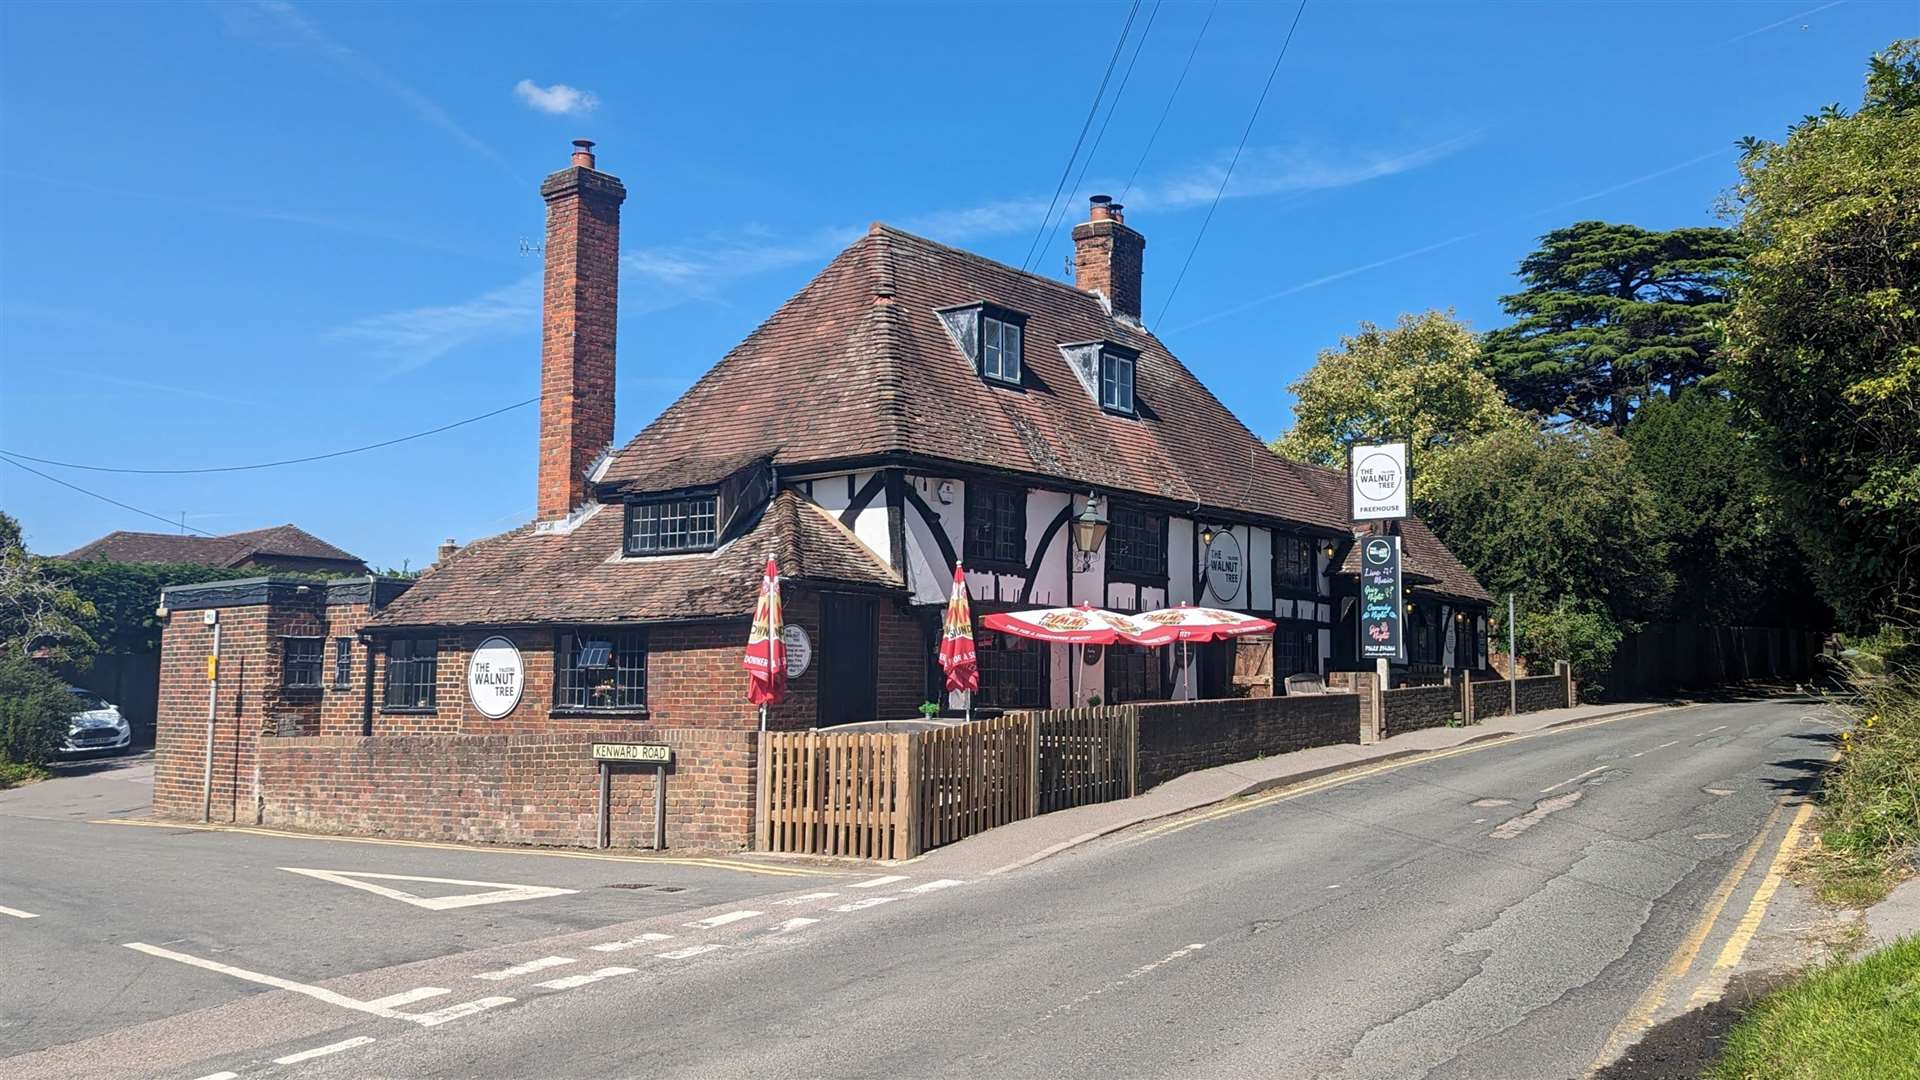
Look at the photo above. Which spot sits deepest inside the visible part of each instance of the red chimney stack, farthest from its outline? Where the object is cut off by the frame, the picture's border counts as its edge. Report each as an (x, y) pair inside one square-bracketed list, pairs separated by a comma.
[(580, 307), (1107, 256)]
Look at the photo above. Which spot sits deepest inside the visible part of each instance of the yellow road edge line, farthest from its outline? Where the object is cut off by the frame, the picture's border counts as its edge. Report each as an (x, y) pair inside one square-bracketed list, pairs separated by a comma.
[(1255, 802), (666, 860), (1736, 946), (1641, 1015)]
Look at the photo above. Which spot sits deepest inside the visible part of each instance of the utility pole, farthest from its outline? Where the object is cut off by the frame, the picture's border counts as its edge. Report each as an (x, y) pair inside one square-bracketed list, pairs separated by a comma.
[(1513, 662)]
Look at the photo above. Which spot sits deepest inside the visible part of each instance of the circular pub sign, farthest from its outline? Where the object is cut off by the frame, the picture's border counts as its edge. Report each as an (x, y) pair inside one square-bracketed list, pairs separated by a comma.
[(1224, 567), (494, 677), (799, 649)]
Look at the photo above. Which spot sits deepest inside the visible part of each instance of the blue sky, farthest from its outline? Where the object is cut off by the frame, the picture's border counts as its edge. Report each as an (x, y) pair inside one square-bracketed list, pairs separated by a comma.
[(243, 232)]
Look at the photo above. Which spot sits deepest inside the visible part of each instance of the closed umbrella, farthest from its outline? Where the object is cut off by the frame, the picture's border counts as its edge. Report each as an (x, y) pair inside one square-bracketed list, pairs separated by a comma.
[(957, 655), (1186, 624), (766, 659)]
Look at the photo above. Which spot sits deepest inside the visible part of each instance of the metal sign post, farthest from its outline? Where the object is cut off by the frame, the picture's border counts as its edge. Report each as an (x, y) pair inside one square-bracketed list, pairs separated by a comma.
[(657, 755), (1513, 664)]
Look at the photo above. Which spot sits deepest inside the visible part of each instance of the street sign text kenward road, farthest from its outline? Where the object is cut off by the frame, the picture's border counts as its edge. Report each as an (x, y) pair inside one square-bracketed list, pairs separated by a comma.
[(649, 753)]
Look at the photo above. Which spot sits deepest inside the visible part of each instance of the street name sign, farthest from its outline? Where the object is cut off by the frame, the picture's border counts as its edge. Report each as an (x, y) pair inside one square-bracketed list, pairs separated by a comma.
[(644, 753)]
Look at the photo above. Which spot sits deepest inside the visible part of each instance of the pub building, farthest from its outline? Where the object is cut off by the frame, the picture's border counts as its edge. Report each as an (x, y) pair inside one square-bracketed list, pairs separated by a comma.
[(913, 407)]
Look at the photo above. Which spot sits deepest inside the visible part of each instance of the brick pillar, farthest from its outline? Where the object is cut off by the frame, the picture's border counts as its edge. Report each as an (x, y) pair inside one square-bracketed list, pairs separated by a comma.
[(580, 307), (1107, 256), (1466, 699), (1565, 671)]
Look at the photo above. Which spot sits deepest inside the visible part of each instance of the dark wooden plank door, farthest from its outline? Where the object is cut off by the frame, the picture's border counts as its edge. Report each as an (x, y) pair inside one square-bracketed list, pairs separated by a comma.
[(849, 647)]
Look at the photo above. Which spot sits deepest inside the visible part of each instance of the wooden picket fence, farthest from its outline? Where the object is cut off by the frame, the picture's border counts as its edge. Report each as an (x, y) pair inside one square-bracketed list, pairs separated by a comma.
[(883, 795)]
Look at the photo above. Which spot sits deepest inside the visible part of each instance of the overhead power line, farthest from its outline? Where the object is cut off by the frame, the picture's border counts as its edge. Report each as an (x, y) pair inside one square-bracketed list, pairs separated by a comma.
[(1092, 111), (124, 506), (1168, 108), (1235, 159), (1126, 76), (268, 464)]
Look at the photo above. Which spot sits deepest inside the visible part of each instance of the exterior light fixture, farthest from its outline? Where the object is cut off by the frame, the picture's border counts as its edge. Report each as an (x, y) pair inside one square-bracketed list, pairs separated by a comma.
[(1206, 536), (1089, 532), (1328, 550)]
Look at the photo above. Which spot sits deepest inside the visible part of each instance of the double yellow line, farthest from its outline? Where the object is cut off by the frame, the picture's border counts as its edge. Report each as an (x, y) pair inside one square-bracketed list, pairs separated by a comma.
[(710, 862), (1241, 806)]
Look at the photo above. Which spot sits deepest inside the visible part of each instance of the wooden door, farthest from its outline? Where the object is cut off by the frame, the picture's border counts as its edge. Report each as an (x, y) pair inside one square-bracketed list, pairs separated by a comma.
[(849, 645)]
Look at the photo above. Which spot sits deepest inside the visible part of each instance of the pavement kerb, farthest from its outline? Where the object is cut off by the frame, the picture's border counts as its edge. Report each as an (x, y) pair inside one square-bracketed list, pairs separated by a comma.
[(1258, 787)]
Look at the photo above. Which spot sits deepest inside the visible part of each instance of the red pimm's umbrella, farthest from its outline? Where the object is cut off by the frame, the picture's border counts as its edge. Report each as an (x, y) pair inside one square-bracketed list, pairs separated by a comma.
[(957, 656), (1083, 625), (766, 660), (1188, 623)]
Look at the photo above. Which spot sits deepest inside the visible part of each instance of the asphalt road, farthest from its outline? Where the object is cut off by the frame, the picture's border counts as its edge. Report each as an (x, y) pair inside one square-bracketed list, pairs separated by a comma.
[(1491, 912)]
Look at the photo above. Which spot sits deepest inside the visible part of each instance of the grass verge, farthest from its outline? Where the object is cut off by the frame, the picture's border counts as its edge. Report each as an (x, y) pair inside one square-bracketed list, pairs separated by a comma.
[(1871, 799), (1847, 1020), (14, 775)]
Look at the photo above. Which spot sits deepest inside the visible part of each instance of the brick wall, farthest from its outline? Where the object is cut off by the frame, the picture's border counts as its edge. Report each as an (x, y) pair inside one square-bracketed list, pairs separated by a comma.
[(522, 789), (1542, 692), (1364, 684), (1414, 707), (1489, 697), (1179, 737)]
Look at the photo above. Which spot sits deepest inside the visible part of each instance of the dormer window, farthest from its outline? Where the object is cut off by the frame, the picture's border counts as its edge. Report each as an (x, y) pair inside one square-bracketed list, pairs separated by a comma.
[(1000, 349), (993, 339), (1116, 380), (667, 526)]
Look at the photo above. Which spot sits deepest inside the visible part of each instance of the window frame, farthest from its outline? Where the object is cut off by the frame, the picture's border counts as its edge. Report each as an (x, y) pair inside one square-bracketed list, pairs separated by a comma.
[(289, 664), (1004, 317), (1294, 585), (991, 647), (342, 663), (1129, 658), (625, 644), (1109, 355), (1119, 571), (978, 493), (1300, 632), (413, 662), (687, 500)]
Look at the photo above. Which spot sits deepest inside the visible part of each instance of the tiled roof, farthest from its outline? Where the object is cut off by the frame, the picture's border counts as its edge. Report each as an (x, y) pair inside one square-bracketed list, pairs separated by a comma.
[(858, 363), (1425, 560), (532, 577), (234, 549)]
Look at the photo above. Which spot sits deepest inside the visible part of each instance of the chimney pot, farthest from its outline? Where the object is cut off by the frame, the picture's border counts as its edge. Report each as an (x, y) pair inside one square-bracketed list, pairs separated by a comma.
[(447, 548), (1100, 208), (583, 153)]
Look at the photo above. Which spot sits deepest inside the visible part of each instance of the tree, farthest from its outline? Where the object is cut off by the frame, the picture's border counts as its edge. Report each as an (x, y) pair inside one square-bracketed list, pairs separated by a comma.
[(35, 710), (1824, 335), (1419, 379), (1736, 561), (38, 616), (1611, 316), (1561, 519)]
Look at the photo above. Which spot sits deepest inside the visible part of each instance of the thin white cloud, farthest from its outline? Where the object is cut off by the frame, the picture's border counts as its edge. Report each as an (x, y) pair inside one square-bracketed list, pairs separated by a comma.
[(408, 339), (280, 24), (1777, 23), (559, 99), (1295, 170)]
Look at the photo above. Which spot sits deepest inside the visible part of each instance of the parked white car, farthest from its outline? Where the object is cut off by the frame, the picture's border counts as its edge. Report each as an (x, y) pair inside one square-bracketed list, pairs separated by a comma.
[(96, 725)]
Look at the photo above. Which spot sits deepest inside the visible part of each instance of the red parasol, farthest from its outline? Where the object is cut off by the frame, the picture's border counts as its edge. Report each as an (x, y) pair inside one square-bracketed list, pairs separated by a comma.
[(957, 656), (766, 660), (1082, 625), (1188, 623)]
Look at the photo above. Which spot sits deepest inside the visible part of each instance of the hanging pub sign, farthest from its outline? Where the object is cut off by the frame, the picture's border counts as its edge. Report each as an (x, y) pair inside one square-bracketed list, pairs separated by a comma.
[(494, 677), (1224, 567), (1377, 474), (799, 649), (1381, 604)]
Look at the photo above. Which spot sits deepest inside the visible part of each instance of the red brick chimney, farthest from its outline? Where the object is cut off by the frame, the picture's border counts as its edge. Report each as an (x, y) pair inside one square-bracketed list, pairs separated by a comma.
[(1106, 256), (577, 328)]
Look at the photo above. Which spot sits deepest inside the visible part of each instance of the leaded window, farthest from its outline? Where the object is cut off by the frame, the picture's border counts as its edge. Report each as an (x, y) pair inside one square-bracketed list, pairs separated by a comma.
[(1296, 649), (1293, 564), (1000, 349), (1116, 381), (342, 662), (1013, 672), (1133, 674), (601, 669), (412, 665), (300, 662), (996, 526), (669, 525), (1137, 544)]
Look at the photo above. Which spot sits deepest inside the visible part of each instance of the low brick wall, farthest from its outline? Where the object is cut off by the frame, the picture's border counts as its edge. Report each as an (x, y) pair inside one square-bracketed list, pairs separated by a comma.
[(1180, 737), (1414, 707), (520, 789), (1534, 694)]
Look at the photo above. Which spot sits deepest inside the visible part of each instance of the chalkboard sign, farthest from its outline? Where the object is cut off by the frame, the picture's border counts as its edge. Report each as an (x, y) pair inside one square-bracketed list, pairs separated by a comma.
[(1381, 603)]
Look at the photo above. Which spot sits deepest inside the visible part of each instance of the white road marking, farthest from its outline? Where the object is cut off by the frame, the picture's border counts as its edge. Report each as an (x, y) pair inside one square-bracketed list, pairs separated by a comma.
[(1711, 730), (422, 993), (455, 1012), (496, 892), (935, 886), (314, 992), (723, 919), (322, 1051), (793, 924), (220, 1076), (792, 900), (1664, 745), (871, 901), (689, 951), (18, 914), (874, 883), (527, 968), (571, 981), (629, 943), (1142, 970), (1571, 779)]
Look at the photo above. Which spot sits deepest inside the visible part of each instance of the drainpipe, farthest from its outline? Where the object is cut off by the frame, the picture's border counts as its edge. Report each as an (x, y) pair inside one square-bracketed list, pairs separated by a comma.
[(213, 696)]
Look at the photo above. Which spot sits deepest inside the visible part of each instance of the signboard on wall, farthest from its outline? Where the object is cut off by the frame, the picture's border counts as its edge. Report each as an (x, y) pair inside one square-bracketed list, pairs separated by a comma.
[(1225, 568), (1382, 607), (494, 677), (1378, 478), (799, 649), (644, 753)]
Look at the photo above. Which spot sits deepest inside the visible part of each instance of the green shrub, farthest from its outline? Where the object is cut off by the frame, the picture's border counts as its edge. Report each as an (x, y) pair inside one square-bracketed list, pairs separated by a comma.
[(1872, 796), (1582, 635), (35, 709)]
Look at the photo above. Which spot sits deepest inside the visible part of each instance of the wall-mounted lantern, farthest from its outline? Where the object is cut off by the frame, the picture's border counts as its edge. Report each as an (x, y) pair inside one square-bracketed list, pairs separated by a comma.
[(1089, 532)]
